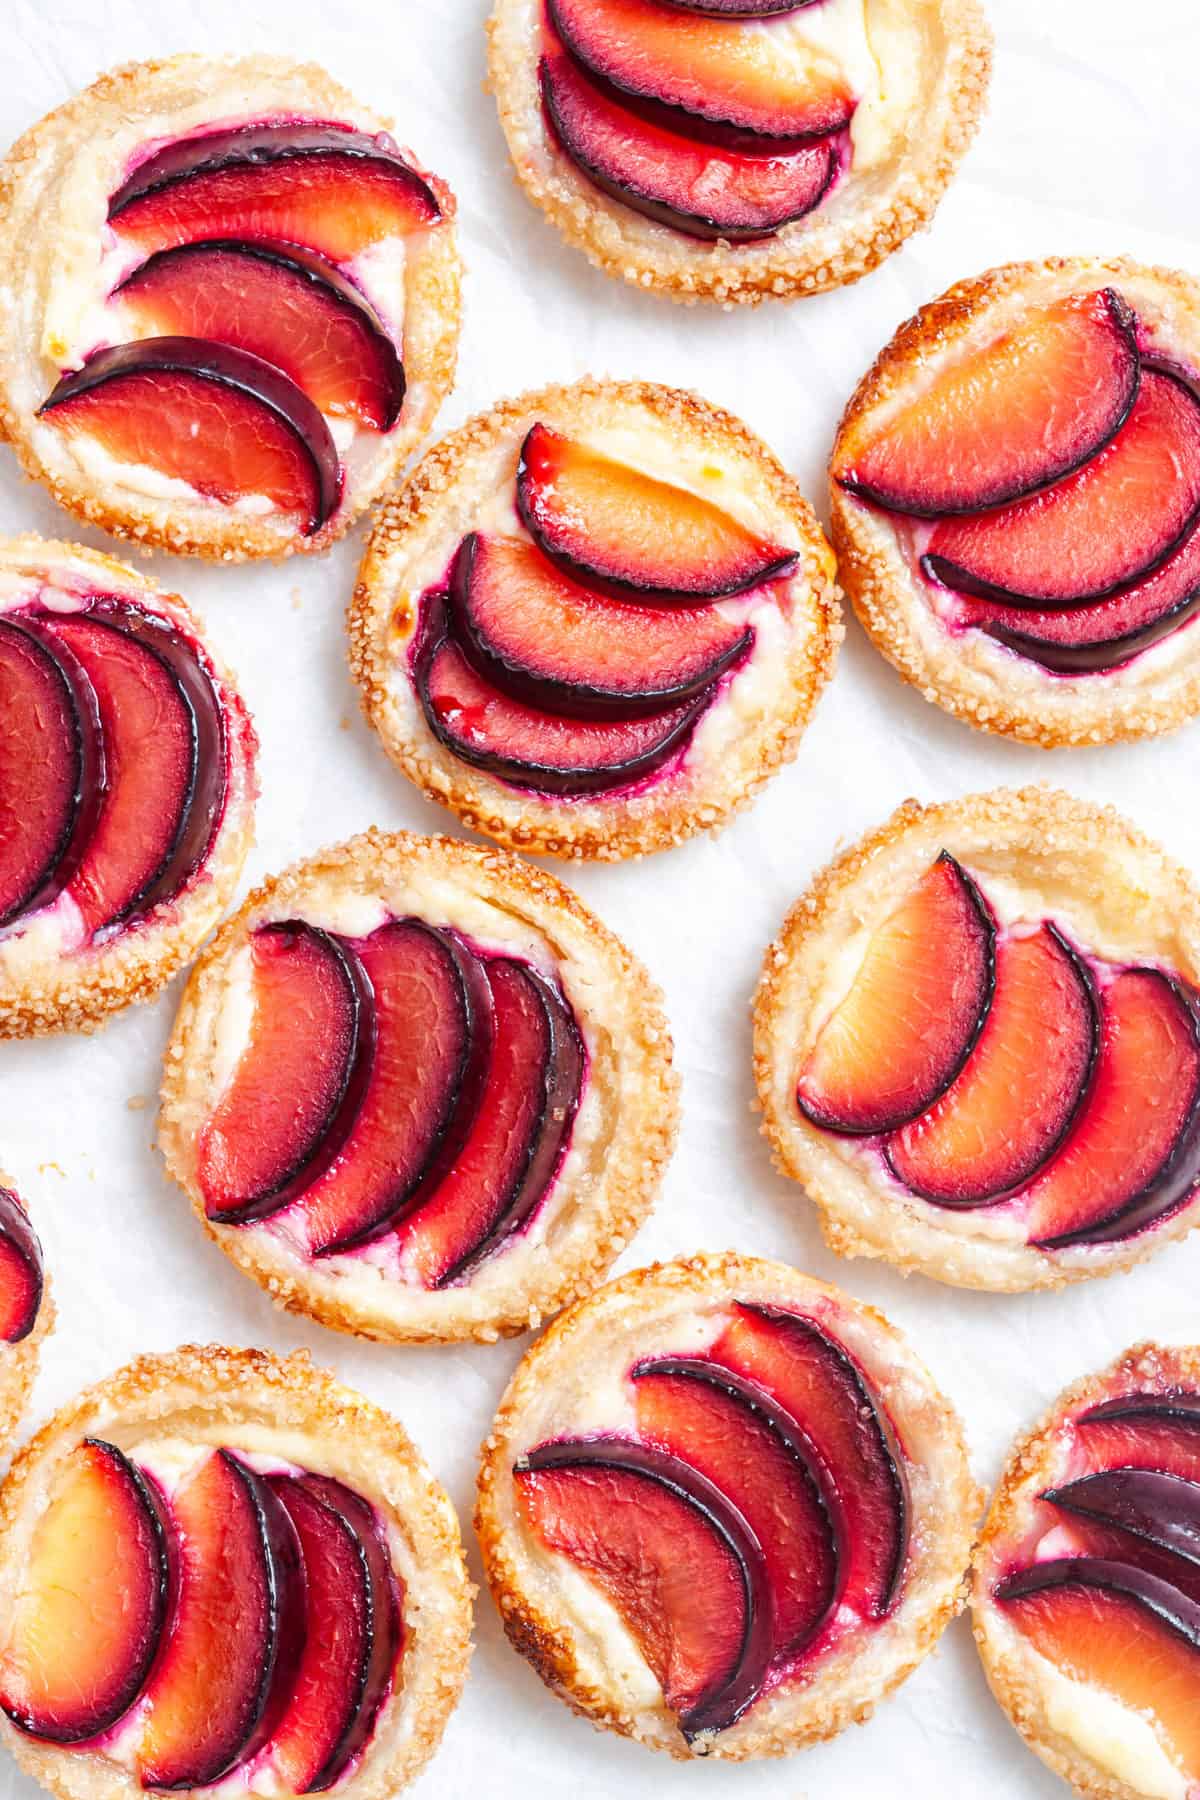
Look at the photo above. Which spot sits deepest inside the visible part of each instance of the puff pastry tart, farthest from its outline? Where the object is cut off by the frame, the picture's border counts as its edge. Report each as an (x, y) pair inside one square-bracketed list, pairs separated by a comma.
[(595, 620), (1086, 1591), (1016, 501), (230, 307), (731, 150), (724, 1509), (223, 1570), (416, 1090), (26, 1309), (127, 786), (977, 1043)]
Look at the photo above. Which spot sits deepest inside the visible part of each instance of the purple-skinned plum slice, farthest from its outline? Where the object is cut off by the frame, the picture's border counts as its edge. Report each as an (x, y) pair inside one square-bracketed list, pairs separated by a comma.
[(92, 1608), (432, 1043), (533, 749), (284, 304), (294, 1095), (1005, 420), (719, 71), (1020, 1088), (1162, 1510), (608, 525), (331, 190), (1111, 1180), (553, 644), (1144, 1431), (229, 1659), (22, 1271), (706, 190), (819, 1385), (742, 9), (523, 1121), (734, 1433), (673, 1556), (51, 768), (1109, 524), (913, 1013), (227, 423)]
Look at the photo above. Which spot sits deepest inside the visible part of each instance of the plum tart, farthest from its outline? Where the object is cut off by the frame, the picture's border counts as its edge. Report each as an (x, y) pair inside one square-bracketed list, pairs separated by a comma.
[(223, 1570), (595, 620), (418, 1091), (977, 1043), (1086, 1586), (127, 783), (731, 150), (723, 1508), (26, 1309), (231, 305), (1016, 501)]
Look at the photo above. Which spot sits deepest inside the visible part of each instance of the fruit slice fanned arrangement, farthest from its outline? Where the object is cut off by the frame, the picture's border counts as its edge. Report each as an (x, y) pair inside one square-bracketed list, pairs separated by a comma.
[(580, 658), (714, 121), (1048, 482)]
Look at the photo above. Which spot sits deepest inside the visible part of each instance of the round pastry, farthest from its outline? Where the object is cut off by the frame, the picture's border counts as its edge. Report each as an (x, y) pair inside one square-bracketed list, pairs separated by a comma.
[(977, 1043), (26, 1309), (220, 1569), (230, 307), (731, 150), (127, 786), (418, 1091), (1086, 1591), (723, 1508), (595, 620), (1016, 500)]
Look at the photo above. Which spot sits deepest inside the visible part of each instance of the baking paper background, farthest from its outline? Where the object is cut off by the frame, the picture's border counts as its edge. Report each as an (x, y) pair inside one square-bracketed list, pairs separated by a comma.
[(1092, 144)]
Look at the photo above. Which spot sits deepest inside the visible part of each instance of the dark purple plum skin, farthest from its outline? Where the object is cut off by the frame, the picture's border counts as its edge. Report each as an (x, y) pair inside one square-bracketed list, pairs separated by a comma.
[(236, 370), (1103, 653), (1175, 1407), (1162, 1509), (1166, 1603), (717, 1711), (742, 9), (16, 1227)]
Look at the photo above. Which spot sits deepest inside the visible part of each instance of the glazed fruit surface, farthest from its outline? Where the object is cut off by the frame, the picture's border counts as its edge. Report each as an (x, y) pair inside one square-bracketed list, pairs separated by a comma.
[(22, 1271)]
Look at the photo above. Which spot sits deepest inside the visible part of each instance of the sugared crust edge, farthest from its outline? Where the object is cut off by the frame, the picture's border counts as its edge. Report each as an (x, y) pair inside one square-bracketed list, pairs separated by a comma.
[(534, 823), (632, 1176), (535, 1636), (226, 1380)]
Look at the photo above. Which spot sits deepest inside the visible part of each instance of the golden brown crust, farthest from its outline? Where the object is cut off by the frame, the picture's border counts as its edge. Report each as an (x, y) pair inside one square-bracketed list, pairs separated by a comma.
[(849, 234), (623, 1135), (597, 1340), (1082, 864), (19, 1362), (419, 528), (967, 673), (43, 990), (148, 92), (1033, 1464), (215, 1393)]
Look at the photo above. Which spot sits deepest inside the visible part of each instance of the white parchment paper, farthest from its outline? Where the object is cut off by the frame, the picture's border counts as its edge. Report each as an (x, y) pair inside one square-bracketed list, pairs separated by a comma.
[(1092, 144)]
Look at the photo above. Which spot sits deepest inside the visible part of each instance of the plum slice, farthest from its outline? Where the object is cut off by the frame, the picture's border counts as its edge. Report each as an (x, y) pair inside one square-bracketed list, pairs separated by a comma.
[(722, 71), (1007, 419), (1134, 1153), (706, 190), (329, 189), (742, 9), (1021, 1087), (547, 641), (229, 1659), (822, 1389), (51, 768), (605, 523), (349, 1642), (1079, 640), (1161, 1509), (294, 1095), (534, 749), (22, 1272), (673, 1556), (92, 1606), (1144, 1431), (1128, 1632), (433, 1030), (1110, 523), (288, 306), (521, 1126), (744, 1442), (227, 423), (913, 1014)]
